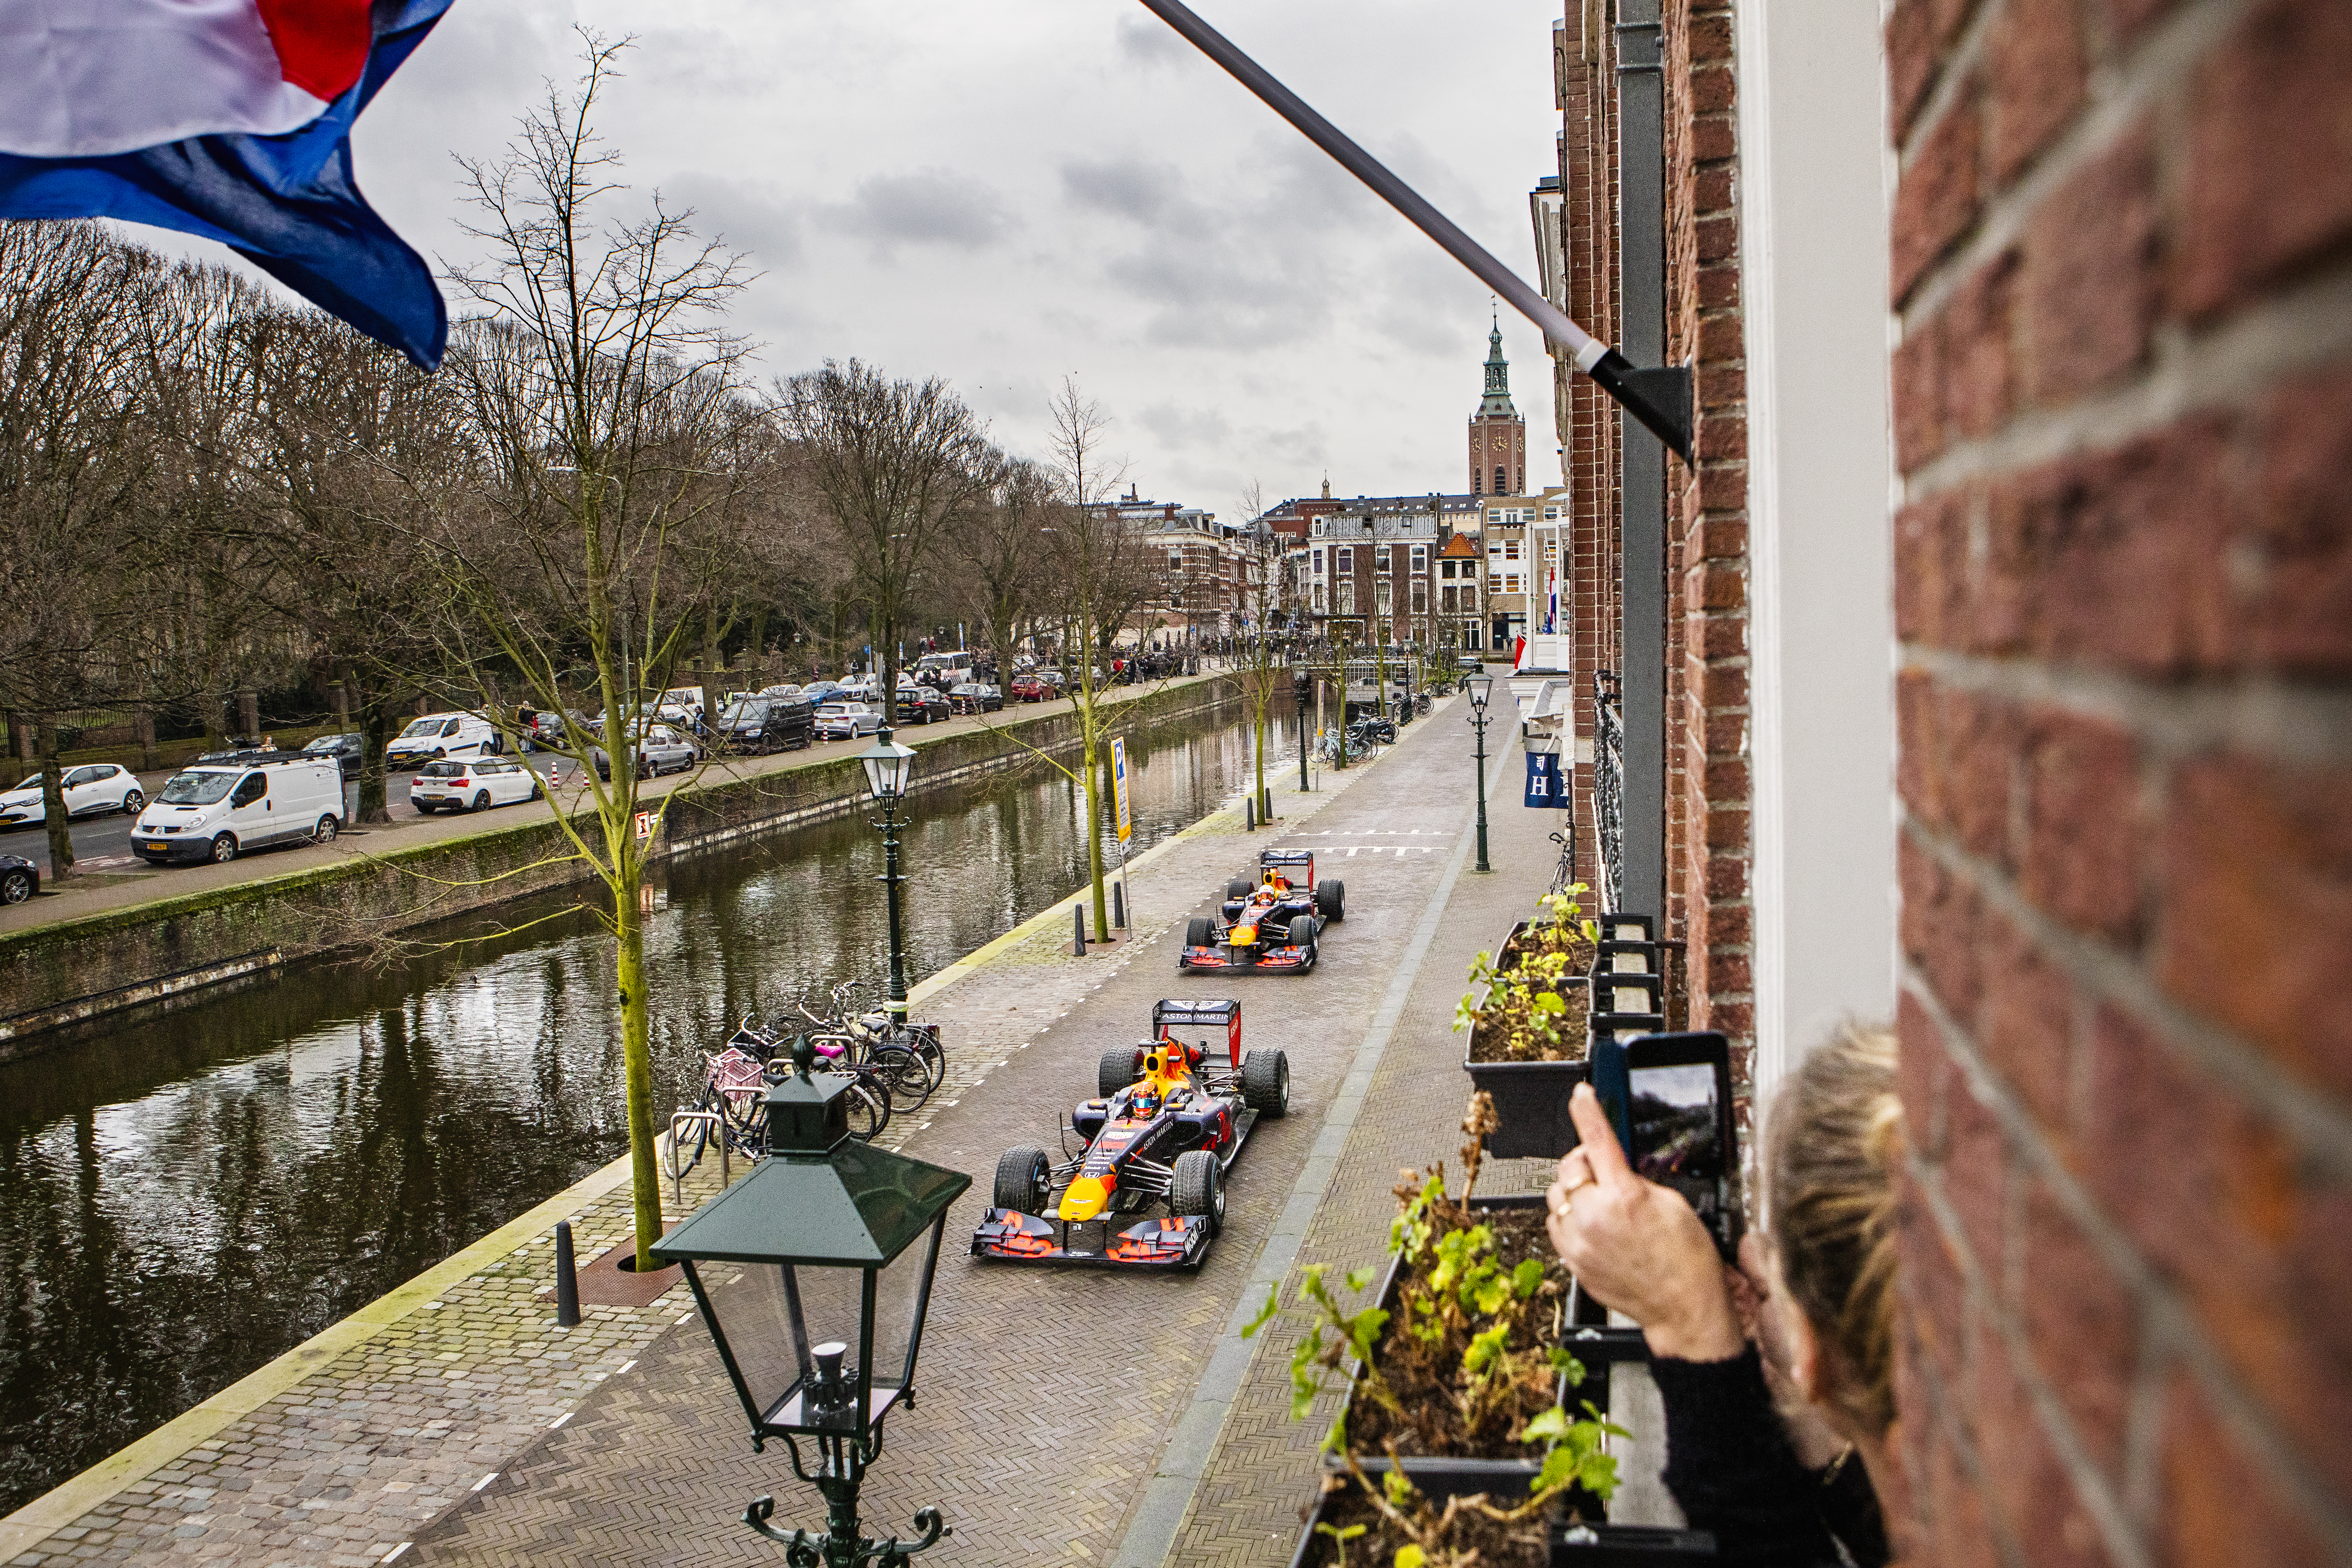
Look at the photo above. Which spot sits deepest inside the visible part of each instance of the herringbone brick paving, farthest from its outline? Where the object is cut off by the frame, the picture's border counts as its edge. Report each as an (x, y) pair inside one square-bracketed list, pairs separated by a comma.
[(1046, 1395)]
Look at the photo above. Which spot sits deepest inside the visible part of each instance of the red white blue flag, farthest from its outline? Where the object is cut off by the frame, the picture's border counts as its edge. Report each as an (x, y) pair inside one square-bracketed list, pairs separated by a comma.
[(227, 119)]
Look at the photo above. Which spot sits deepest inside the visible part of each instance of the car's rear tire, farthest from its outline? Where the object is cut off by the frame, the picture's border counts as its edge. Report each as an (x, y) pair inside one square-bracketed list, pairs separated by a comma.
[(15, 887), (1266, 1082), (1237, 888), (324, 833), (538, 789), (1199, 932), (481, 800), (1116, 1071), (1197, 1188), (1331, 898), (224, 849), (132, 802), (1022, 1177)]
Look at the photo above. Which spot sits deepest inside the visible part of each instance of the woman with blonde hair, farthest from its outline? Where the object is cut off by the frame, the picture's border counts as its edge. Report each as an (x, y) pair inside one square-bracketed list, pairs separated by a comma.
[(1816, 1288)]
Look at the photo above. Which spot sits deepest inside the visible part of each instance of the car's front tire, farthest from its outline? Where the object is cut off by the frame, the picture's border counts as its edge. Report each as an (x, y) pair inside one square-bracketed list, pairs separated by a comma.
[(224, 849), (1116, 1071), (1331, 898), (15, 887), (1197, 1188), (1022, 1177), (1199, 932)]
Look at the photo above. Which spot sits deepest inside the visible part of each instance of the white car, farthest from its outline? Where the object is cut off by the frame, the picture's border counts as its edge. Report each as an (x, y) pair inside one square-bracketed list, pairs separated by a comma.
[(217, 813), (846, 721), (475, 786), (90, 790), (440, 734)]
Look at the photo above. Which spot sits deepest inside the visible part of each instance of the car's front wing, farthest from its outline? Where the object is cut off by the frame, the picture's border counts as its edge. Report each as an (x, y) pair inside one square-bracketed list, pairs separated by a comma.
[(1219, 958), (1177, 1241)]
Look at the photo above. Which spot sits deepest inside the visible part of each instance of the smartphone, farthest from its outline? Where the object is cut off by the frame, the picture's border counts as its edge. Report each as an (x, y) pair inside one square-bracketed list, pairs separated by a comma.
[(1670, 1097)]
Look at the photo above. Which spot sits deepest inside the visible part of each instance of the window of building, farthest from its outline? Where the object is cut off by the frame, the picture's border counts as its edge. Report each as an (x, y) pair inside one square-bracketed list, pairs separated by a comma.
[(1421, 560), (1501, 486), (1347, 595), (1318, 561), (1445, 570), (1510, 550), (1344, 561), (1381, 559), (1421, 596), (1449, 599), (1474, 481)]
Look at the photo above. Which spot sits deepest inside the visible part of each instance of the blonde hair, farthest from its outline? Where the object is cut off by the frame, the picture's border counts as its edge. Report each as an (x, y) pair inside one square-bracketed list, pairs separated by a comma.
[(1836, 1133)]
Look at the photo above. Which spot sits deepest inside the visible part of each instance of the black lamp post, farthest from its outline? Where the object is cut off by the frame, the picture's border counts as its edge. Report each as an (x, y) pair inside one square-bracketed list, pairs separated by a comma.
[(830, 1246), (1304, 683), (1481, 687), (889, 766)]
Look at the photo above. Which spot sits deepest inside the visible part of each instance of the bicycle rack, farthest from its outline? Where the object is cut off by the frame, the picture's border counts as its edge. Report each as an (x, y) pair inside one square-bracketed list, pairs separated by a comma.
[(715, 1128)]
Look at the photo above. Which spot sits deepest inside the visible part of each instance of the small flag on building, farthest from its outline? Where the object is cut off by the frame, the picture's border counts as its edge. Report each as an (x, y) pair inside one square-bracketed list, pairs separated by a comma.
[(230, 120), (1546, 784)]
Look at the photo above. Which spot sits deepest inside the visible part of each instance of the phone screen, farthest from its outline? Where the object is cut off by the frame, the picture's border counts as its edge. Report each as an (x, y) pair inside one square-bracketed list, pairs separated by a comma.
[(1678, 1120)]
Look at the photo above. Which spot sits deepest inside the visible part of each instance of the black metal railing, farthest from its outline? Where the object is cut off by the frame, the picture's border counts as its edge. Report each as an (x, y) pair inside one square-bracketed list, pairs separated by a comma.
[(1608, 787)]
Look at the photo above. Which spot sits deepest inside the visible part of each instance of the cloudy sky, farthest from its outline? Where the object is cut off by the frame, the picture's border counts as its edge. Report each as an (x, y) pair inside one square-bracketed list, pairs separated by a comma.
[(1000, 192)]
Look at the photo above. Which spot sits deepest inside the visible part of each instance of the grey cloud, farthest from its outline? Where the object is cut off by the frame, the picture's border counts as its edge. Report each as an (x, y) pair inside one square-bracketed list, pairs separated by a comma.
[(1148, 41), (1177, 426), (751, 218), (1127, 188), (930, 206)]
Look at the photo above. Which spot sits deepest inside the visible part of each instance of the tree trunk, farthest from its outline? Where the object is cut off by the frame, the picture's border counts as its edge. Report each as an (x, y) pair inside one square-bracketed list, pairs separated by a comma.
[(636, 1054), (1094, 822), (375, 723), (53, 801)]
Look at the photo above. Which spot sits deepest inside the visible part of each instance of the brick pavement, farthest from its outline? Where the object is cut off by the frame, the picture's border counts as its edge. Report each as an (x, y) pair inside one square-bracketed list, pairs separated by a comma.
[(1046, 1395)]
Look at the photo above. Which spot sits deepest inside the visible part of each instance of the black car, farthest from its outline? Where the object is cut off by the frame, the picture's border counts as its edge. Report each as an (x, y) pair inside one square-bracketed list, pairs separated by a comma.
[(765, 724), (19, 879), (348, 751), (977, 696), (923, 704)]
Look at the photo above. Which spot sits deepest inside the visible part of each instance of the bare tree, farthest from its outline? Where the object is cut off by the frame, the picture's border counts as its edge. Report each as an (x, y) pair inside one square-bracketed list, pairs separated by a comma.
[(1002, 548), (893, 462), (599, 382)]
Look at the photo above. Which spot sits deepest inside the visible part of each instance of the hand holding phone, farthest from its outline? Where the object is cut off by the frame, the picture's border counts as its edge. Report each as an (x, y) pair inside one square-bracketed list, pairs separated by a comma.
[(1636, 1245)]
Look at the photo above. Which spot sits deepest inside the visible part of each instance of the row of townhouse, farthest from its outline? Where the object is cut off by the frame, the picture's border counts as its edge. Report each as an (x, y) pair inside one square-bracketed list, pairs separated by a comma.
[(1213, 575)]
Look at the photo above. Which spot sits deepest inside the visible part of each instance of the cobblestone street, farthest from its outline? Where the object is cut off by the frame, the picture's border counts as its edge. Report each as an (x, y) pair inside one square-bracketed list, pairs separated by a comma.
[(1066, 1417)]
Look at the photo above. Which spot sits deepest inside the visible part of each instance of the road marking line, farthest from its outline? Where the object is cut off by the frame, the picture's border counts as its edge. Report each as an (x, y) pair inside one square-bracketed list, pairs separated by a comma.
[(486, 1481)]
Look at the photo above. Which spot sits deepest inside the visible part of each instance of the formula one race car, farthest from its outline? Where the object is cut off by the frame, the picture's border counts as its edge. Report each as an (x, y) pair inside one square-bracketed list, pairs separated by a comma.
[(1272, 926), (1163, 1130)]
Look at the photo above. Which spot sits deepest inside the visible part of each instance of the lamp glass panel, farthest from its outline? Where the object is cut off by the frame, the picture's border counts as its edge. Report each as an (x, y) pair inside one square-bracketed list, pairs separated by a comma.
[(899, 1290), (774, 1315)]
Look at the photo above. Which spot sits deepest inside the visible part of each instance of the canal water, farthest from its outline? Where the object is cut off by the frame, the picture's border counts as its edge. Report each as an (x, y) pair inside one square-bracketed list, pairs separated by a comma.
[(184, 1198)]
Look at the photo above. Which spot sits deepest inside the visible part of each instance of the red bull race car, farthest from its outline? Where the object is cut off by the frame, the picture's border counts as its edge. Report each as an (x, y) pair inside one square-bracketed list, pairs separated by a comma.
[(1272, 923), (1162, 1132)]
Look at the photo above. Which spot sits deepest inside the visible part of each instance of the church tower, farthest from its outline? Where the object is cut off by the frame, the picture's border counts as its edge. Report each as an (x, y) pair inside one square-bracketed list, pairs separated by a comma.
[(1498, 436)]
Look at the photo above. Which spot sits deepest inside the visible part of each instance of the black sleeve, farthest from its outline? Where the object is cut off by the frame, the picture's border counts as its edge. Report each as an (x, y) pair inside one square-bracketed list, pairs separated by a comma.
[(1730, 1466)]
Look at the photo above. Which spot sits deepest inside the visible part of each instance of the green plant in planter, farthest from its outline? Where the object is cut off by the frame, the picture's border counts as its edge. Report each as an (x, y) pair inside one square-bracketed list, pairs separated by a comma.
[(1469, 1364), (1526, 1016)]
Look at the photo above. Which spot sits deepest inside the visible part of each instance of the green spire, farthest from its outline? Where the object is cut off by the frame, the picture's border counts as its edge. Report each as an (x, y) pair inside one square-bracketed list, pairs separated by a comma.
[(1497, 400)]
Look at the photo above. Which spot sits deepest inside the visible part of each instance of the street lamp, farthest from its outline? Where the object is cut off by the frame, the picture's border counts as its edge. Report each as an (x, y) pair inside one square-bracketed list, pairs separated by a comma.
[(1481, 687), (821, 1243), (889, 766), (1304, 683)]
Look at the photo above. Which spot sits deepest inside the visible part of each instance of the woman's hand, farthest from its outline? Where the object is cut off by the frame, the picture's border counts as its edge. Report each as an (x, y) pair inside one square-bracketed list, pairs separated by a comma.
[(1636, 1245)]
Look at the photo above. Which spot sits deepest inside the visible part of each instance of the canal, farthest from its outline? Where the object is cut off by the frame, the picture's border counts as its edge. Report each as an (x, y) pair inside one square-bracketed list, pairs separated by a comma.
[(182, 1199)]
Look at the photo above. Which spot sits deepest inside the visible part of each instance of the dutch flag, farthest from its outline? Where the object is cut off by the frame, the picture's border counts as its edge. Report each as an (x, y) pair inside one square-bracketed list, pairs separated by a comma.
[(229, 119)]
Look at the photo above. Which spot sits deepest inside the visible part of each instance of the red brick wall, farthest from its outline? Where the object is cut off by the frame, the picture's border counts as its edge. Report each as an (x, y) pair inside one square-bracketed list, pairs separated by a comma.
[(2122, 258), (1708, 863)]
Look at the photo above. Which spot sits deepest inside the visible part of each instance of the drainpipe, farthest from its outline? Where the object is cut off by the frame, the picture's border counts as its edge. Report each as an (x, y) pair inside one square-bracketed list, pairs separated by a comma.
[(1641, 283)]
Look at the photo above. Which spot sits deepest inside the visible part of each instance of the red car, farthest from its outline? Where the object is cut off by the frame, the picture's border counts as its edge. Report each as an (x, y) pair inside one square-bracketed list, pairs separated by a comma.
[(1030, 689)]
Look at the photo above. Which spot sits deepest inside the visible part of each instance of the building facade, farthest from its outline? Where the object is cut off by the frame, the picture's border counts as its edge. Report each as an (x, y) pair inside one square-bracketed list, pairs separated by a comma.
[(1498, 436)]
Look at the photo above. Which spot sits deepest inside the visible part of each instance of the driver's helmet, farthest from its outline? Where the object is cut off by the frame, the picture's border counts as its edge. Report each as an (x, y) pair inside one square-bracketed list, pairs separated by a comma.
[(1145, 1101)]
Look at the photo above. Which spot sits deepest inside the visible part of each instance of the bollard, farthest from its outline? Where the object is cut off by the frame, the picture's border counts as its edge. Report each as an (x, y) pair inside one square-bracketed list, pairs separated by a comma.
[(1118, 905), (567, 1283), (1266, 806), (1249, 813), (1078, 917)]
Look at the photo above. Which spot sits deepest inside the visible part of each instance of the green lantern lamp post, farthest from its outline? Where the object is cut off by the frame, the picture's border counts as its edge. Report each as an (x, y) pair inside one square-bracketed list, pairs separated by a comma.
[(828, 1250), (1481, 687), (888, 767)]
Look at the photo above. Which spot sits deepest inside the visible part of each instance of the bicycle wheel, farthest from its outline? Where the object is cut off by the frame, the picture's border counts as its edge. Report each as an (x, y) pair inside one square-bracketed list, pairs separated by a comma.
[(743, 1118), (908, 1074), (868, 1101)]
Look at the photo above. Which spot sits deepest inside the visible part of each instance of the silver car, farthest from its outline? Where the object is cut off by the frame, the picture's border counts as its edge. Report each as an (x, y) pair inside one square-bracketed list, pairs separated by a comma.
[(846, 721), (659, 749)]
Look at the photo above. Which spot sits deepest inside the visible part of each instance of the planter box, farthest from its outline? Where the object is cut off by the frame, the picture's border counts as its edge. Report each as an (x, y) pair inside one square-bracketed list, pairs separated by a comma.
[(1567, 1545), (1531, 1119)]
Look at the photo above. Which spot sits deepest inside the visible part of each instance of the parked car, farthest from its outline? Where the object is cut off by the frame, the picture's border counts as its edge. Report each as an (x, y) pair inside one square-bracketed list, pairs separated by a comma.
[(19, 879), (1028, 688), (439, 735), (660, 750), (977, 696), (819, 693), (923, 704), (766, 724), (475, 786), (846, 721), (216, 813), (780, 689), (89, 790), (348, 751)]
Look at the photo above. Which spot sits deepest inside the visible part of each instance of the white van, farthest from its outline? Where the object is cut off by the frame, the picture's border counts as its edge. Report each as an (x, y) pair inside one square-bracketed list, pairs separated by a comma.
[(217, 811), (442, 735)]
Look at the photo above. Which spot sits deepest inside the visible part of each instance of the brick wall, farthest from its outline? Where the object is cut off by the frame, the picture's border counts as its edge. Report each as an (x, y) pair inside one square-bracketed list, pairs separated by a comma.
[(2122, 262), (1708, 864)]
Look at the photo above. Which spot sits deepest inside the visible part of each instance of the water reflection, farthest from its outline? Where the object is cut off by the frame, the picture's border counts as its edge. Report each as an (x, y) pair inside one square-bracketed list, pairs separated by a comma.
[(184, 1199)]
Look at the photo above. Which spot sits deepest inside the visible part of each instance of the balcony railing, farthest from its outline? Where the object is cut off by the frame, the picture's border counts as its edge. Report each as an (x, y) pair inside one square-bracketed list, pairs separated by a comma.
[(1608, 787)]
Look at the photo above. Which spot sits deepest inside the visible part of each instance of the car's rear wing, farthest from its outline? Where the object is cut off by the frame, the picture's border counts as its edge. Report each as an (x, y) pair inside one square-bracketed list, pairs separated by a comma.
[(1269, 859), (1226, 1013)]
